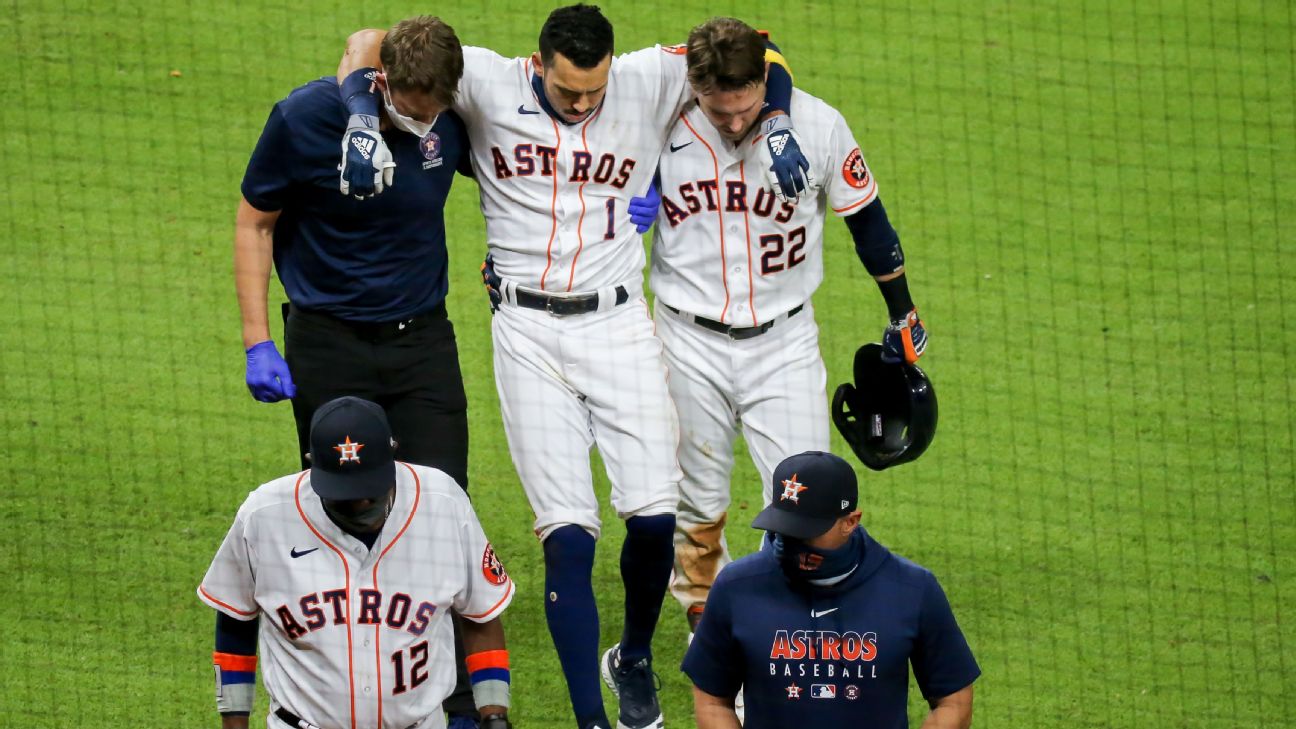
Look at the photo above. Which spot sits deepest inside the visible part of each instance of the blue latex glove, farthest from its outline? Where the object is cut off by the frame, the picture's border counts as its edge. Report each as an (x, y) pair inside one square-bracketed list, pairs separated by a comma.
[(267, 373), (905, 339), (787, 169), (643, 210)]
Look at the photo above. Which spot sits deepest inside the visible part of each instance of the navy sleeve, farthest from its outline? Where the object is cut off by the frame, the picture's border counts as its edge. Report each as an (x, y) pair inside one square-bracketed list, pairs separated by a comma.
[(464, 166), (714, 661), (876, 242), (269, 172), (942, 660), (778, 85), (238, 637)]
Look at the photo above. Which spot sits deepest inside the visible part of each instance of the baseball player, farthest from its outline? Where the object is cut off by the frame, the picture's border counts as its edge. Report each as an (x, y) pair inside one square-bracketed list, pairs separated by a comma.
[(561, 140), (733, 269), (348, 572)]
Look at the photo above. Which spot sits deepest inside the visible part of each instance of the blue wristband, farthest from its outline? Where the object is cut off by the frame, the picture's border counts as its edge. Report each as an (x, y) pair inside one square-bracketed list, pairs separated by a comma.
[(358, 92)]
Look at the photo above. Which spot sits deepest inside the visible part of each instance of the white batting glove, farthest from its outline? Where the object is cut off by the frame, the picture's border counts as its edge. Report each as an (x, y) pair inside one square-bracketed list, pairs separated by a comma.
[(787, 171), (367, 165)]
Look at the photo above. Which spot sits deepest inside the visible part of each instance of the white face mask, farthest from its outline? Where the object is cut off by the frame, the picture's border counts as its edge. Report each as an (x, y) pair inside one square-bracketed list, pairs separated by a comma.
[(404, 123)]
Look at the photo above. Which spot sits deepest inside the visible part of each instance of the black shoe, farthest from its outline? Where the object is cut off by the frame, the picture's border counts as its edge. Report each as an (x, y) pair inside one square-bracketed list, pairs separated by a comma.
[(635, 685)]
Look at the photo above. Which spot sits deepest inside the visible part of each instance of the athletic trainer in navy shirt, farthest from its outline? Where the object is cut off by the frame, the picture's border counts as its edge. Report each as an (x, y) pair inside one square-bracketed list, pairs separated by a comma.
[(820, 627), (373, 260)]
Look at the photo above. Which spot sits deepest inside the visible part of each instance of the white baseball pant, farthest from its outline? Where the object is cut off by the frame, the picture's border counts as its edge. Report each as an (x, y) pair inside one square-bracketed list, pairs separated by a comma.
[(567, 383), (772, 388)]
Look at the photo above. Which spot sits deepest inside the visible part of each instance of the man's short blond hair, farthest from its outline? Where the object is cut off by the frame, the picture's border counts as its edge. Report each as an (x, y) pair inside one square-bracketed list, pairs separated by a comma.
[(725, 54), (423, 54)]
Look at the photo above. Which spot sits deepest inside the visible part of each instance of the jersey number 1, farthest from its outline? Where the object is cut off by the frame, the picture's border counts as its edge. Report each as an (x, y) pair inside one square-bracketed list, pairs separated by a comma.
[(611, 229), (418, 656)]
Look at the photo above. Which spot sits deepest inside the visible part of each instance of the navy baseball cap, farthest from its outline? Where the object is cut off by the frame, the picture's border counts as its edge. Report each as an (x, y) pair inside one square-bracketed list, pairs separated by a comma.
[(351, 450), (811, 491)]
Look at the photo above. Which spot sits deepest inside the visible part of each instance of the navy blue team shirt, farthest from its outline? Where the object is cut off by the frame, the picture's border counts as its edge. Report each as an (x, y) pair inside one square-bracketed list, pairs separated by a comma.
[(381, 259), (828, 657)]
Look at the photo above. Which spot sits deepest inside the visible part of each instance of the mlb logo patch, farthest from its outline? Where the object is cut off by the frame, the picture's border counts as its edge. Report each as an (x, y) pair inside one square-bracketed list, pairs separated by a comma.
[(823, 691)]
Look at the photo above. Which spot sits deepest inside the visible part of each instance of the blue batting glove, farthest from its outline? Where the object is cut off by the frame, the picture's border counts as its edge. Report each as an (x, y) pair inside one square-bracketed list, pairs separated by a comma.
[(267, 373), (492, 282), (367, 166), (787, 171), (643, 210), (905, 339)]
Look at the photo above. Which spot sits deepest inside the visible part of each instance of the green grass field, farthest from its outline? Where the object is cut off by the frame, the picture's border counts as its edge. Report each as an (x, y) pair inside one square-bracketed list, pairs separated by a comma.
[(1096, 199)]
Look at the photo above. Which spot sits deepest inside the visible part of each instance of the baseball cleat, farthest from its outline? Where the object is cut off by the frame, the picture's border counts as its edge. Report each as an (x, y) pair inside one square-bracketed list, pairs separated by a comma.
[(635, 685)]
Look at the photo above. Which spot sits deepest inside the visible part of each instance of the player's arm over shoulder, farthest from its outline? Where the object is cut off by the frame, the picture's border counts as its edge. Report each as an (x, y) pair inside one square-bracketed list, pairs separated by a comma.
[(362, 51)]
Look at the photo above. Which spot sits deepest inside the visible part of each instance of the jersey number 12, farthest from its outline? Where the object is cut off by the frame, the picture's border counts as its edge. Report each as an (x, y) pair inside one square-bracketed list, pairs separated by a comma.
[(418, 656)]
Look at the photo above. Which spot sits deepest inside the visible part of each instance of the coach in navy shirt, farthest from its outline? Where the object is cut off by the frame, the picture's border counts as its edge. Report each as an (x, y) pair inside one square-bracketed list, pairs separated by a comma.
[(820, 627)]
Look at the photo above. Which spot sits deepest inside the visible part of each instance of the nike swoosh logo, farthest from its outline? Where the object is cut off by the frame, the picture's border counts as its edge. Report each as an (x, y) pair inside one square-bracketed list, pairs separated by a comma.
[(821, 613), (682, 146), (523, 110), (295, 554)]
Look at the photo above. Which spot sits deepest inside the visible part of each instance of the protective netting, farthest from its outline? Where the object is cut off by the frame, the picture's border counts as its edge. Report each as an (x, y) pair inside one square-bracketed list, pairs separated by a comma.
[(1095, 199)]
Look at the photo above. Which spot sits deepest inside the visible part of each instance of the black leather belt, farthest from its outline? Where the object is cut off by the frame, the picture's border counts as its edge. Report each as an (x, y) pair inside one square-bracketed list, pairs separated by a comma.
[(737, 332), (565, 305), (374, 331), (296, 722), (292, 720)]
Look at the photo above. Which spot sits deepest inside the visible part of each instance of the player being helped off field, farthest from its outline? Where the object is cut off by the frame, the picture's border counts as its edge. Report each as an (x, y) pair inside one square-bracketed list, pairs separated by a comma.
[(561, 141), (348, 571), (733, 270)]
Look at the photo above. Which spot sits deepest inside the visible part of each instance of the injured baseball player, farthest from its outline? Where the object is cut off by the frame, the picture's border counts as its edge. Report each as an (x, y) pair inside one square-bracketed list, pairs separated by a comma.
[(561, 140)]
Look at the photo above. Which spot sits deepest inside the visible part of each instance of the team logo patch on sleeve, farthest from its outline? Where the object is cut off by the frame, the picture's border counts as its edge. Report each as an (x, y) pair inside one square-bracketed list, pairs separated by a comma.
[(854, 171), (678, 50), (492, 568)]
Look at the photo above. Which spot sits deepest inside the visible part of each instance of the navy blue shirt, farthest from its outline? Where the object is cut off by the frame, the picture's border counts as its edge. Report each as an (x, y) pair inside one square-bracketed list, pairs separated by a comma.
[(381, 259), (828, 657)]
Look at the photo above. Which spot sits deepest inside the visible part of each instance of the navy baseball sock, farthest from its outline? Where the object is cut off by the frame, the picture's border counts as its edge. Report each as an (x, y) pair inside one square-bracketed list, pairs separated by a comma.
[(573, 617), (646, 560)]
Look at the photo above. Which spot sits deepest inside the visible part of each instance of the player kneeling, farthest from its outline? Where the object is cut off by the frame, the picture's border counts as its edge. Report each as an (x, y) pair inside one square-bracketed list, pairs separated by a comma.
[(356, 564)]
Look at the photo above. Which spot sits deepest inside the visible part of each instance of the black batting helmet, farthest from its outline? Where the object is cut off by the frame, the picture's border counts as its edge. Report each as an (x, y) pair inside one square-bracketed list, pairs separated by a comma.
[(888, 415)]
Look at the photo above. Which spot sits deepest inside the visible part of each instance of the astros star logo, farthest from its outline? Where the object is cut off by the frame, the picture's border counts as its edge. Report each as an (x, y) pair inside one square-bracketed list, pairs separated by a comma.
[(349, 451), (794, 691), (791, 489)]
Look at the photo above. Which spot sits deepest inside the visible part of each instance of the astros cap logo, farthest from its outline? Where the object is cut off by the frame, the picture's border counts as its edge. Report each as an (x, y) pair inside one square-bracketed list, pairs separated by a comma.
[(791, 488), (349, 451)]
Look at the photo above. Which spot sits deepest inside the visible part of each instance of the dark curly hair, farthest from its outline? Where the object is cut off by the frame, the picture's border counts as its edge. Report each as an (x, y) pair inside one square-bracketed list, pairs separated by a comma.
[(579, 32)]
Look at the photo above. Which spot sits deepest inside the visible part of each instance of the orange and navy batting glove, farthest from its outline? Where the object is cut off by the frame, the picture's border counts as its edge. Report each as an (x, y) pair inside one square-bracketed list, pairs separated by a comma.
[(491, 281), (905, 339)]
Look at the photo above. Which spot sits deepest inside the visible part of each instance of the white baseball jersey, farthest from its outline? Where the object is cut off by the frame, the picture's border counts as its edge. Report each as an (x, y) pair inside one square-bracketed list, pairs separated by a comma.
[(352, 636), (725, 248), (555, 195)]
